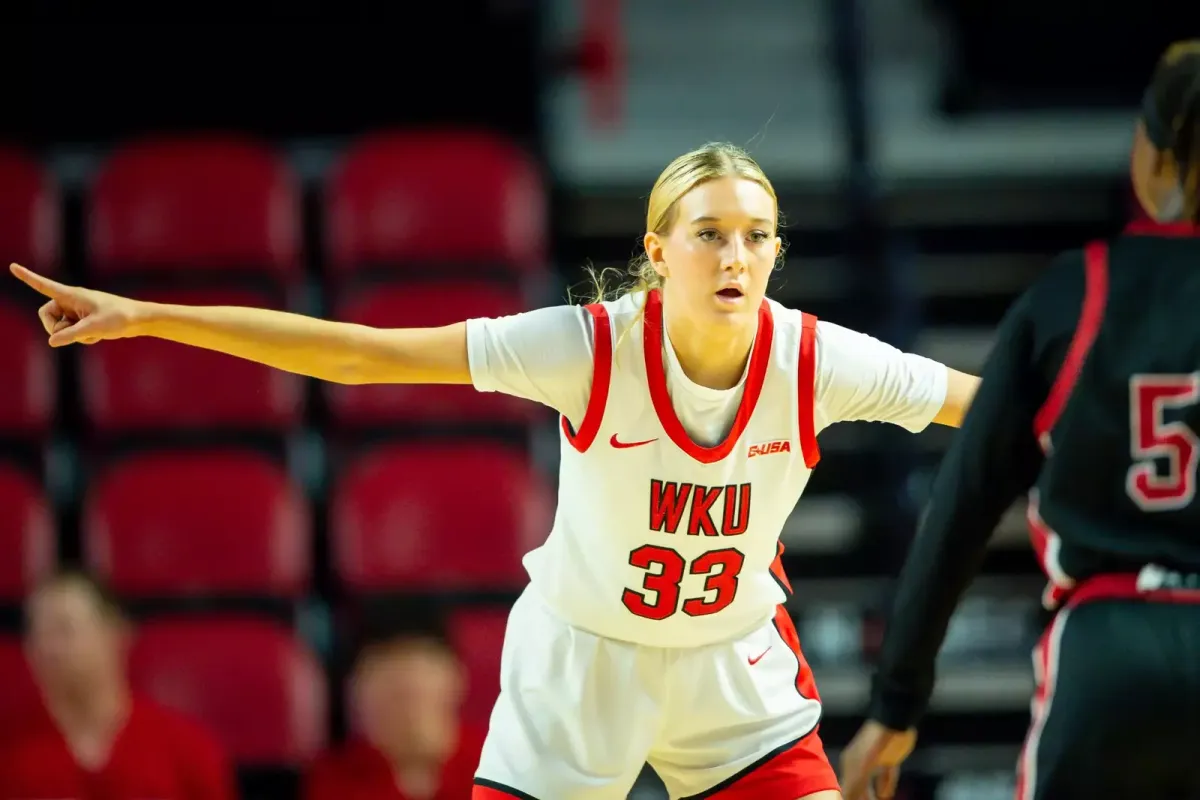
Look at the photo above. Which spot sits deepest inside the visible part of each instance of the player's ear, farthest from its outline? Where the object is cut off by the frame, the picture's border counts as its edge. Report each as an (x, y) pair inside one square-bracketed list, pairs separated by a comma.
[(654, 252)]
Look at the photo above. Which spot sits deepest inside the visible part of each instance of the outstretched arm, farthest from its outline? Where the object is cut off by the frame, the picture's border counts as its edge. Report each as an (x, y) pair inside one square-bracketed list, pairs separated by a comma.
[(991, 462), (860, 378), (333, 351)]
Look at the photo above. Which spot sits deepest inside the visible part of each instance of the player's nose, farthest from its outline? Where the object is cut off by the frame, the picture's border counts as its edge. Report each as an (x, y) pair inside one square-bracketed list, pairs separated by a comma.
[(735, 257)]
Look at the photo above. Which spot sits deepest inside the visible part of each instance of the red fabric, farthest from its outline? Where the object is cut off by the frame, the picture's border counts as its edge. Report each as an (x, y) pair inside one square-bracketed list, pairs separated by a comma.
[(30, 212), (405, 198), (358, 771), (27, 534), (164, 524), (204, 204), (478, 636), (158, 754), (29, 397), (438, 515), (18, 693), (145, 384), (798, 772), (251, 681)]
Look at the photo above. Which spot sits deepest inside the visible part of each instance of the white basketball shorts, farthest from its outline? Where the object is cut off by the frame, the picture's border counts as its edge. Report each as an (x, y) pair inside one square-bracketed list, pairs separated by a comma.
[(579, 715)]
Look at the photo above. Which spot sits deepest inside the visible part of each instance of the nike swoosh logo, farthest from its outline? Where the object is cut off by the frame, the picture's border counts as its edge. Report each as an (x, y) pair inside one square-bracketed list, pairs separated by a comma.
[(622, 445), (759, 657)]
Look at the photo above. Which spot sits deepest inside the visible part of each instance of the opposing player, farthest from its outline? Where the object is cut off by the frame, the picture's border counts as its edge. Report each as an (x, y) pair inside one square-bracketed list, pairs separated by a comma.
[(1091, 402), (652, 628)]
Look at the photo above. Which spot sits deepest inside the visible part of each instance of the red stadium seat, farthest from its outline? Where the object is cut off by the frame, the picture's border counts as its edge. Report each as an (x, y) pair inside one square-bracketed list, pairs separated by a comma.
[(18, 694), (431, 516), (425, 305), (197, 205), (250, 681), (405, 201), (27, 400), (27, 535), (30, 213), (219, 523), (478, 636), (143, 384)]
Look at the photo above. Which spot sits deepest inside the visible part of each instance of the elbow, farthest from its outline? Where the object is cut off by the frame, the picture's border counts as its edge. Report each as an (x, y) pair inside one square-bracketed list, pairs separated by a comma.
[(365, 356), (355, 371)]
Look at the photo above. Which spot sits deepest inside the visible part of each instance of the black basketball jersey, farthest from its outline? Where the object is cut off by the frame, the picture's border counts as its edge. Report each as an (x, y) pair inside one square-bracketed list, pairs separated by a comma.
[(1090, 405), (1117, 489)]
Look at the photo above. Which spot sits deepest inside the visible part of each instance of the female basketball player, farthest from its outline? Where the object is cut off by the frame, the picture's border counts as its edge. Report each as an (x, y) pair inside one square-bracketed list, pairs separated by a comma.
[(1091, 398), (652, 629)]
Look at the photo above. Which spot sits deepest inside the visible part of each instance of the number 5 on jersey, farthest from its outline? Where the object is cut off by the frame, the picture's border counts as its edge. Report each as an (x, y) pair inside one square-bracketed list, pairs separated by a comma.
[(1155, 440)]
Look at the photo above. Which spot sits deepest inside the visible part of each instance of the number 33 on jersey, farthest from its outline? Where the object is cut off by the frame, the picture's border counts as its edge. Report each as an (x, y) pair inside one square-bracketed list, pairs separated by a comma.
[(661, 540)]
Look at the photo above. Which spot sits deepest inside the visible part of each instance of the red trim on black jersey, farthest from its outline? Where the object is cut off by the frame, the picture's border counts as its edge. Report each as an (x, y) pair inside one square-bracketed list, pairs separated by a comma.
[(602, 363), (1091, 315), (656, 378), (1148, 227), (806, 391)]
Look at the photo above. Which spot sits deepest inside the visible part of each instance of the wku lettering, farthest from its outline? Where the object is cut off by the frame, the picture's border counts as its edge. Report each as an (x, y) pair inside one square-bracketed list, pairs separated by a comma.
[(711, 510)]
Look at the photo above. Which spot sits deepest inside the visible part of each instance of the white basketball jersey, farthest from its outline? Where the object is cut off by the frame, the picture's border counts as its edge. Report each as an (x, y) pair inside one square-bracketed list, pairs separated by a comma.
[(658, 540)]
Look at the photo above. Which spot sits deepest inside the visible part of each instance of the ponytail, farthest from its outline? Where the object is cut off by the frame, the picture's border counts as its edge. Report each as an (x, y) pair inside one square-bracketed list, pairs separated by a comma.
[(1171, 115), (612, 283)]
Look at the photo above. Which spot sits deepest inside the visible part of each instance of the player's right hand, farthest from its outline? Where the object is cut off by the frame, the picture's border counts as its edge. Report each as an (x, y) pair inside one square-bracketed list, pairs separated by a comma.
[(871, 762), (75, 315)]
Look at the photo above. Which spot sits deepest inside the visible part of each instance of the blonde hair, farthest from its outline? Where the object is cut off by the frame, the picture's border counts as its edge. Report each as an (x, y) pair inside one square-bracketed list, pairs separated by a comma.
[(710, 162)]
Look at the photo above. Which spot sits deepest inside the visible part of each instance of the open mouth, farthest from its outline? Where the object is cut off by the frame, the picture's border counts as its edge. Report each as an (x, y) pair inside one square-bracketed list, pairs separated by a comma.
[(731, 293)]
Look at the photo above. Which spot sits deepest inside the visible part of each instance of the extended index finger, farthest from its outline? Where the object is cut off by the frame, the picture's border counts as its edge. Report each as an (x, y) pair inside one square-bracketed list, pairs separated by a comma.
[(39, 283)]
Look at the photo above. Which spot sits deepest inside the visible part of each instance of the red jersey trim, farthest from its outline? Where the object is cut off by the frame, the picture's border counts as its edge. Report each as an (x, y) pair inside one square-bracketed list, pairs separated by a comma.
[(1148, 227), (806, 391), (778, 572), (656, 379), (1091, 315), (602, 362)]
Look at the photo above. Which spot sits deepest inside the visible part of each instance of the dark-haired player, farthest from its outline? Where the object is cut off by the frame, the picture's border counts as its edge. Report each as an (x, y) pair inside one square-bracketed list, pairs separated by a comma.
[(1090, 402)]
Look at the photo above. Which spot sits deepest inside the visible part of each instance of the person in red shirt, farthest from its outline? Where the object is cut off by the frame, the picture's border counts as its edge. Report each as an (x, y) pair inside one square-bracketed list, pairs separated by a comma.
[(92, 738), (407, 688)]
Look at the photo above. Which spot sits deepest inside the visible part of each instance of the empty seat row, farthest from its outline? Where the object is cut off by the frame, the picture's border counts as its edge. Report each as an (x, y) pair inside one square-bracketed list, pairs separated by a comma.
[(252, 682), (398, 202), (146, 385), (160, 524)]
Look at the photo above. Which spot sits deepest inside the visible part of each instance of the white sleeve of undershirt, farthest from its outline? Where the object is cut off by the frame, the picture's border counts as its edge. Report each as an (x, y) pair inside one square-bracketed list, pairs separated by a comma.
[(543, 355), (860, 378)]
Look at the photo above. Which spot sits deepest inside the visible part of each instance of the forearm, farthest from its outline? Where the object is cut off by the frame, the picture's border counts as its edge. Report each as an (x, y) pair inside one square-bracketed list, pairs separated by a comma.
[(960, 391), (993, 460), (332, 351)]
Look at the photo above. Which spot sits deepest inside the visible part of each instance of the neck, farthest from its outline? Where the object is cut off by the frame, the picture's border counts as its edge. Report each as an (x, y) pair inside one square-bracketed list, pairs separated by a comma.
[(418, 775), (711, 356), (89, 710), (419, 781)]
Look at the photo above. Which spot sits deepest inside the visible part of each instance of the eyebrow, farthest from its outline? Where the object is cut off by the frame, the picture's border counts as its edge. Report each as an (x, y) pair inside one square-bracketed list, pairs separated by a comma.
[(755, 220)]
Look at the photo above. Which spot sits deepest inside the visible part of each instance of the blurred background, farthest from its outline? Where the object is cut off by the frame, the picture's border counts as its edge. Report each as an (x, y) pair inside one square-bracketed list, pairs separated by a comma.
[(423, 163)]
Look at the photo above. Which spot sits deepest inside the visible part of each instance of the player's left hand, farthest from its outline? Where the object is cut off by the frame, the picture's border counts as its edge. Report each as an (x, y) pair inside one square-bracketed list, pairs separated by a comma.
[(870, 764)]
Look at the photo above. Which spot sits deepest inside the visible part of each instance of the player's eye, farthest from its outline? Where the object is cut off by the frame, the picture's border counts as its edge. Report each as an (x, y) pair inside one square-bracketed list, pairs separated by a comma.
[(708, 235), (758, 237)]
